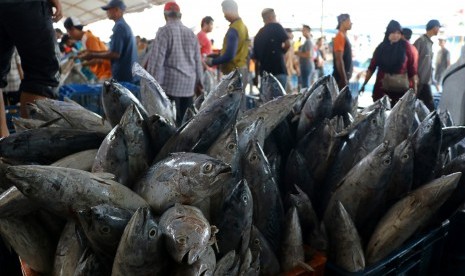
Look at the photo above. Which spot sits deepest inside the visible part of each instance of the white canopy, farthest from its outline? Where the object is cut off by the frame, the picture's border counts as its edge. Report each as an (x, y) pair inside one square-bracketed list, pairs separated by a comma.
[(89, 11)]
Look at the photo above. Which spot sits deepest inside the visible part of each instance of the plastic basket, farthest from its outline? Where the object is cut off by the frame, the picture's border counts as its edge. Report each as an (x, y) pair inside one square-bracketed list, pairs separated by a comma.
[(88, 95), (420, 256)]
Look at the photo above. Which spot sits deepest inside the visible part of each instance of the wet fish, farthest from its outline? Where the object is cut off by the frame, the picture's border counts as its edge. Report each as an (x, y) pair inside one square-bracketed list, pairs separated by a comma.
[(82, 160), (362, 189), (225, 264), (271, 88), (204, 266), (116, 99), (317, 107), (296, 175), (186, 178), (225, 148), (407, 215), (203, 130), (187, 233), (397, 126), (140, 251), (427, 144), (13, 203), (103, 226), (77, 116), (345, 248), (451, 136), (68, 252), (236, 220), (22, 124), (30, 241), (160, 130), (230, 83), (273, 113), (112, 156), (153, 97), (137, 138), (47, 145), (343, 105), (189, 114), (268, 212), (91, 264), (310, 224), (292, 248), (421, 110), (65, 191), (269, 264)]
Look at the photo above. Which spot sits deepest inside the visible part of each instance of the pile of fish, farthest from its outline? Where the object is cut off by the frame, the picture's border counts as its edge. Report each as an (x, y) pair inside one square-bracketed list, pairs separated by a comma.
[(231, 191)]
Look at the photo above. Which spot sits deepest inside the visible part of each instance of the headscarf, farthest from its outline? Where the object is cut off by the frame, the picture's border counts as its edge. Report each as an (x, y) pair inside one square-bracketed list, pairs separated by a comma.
[(390, 56)]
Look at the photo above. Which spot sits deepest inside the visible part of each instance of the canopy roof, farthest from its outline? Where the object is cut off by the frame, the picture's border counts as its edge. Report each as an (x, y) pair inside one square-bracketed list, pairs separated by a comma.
[(89, 11)]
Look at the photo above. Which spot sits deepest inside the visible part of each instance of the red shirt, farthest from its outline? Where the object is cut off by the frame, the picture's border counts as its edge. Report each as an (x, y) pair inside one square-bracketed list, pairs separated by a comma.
[(205, 43)]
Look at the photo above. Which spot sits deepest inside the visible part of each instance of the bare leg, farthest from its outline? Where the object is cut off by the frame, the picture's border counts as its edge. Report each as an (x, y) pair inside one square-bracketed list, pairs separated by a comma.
[(3, 127), (26, 98)]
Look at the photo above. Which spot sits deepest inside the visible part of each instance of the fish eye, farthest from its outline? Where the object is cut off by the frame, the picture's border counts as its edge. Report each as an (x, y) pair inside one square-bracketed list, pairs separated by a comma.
[(254, 157), (181, 240), (373, 121), (231, 146), (152, 232), (405, 156), (208, 168), (27, 190), (387, 161), (105, 229)]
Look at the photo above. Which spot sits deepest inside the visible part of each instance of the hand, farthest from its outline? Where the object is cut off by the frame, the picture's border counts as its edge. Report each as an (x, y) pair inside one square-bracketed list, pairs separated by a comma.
[(58, 13), (209, 61), (84, 55), (198, 90)]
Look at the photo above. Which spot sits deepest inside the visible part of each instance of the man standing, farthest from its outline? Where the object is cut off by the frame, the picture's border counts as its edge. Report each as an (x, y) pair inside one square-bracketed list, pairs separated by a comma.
[(123, 48), (342, 51), (235, 49), (174, 60), (305, 54), (442, 62), (27, 25), (205, 43), (424, 45), (270, 45), (407, 34), (100, 67)]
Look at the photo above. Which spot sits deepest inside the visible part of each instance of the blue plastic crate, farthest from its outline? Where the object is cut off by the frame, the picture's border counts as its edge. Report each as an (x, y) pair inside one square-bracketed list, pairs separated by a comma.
[(88, 95)]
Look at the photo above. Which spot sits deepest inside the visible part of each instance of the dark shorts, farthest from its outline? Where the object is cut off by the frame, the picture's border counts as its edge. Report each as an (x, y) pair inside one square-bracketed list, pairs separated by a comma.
[(28, 26)]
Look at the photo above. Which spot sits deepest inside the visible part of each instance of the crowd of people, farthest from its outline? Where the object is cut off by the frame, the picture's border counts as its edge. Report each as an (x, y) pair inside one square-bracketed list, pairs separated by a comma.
[(181, 61)]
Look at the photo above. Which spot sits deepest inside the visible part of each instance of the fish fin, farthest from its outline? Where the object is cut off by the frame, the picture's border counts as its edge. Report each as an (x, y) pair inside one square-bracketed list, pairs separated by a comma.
[(49, 123), (306, 266)]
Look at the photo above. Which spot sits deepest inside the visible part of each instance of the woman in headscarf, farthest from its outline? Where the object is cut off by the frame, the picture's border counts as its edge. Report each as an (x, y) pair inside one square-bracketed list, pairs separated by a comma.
[(392, 56)]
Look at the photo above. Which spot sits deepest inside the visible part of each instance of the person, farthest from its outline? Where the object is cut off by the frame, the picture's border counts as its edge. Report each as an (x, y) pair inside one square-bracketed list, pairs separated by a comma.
[(122, 51), (424, 45), (101, 68), (342, 51), (269, 46), (392, 56), (442, 62), (306, 56), (174, 60), (58, 33), (27, 25), (235, 51), (320, 58), (292, 66), (14, 77), (407, 35), (206, 26)]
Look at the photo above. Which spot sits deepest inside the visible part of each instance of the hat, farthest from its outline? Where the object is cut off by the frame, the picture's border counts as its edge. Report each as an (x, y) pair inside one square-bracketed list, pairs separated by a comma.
[(393, 26), (341, 18), (114, 4), (432, 23), (171, 7), (72, 22)]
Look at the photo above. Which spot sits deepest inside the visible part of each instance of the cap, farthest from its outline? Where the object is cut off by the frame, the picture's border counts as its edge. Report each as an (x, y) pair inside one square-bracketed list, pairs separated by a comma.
[(341, 18), (432, 24), (114, 4), (72, 22), (171, 7)]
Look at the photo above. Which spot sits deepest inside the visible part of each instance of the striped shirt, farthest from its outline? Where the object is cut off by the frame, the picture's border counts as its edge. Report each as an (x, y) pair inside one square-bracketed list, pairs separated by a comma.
[(174, 59)]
